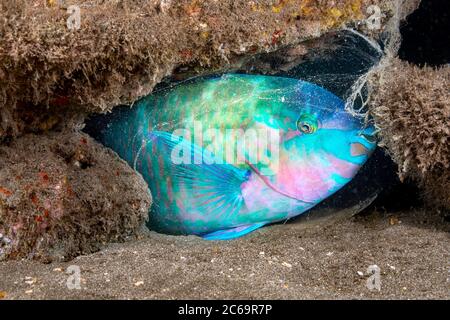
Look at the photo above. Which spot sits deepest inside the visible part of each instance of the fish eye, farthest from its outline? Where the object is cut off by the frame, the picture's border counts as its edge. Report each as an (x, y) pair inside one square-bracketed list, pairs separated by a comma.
[(306, 126)]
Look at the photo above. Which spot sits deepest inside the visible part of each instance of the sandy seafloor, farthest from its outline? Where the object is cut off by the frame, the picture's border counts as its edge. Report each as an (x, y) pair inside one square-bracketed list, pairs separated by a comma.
[(319, 259)]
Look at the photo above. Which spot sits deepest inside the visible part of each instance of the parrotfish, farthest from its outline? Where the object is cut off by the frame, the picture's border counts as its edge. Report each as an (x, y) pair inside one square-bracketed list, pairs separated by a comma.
[(226, 155)]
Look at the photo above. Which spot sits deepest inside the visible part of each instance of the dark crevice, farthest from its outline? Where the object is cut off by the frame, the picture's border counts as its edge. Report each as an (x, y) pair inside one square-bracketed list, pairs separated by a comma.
[(426, 34)]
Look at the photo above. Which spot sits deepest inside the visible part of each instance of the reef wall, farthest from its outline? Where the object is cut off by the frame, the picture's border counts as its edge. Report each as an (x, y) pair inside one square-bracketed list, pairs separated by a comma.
[(61, 194), (122, 49)]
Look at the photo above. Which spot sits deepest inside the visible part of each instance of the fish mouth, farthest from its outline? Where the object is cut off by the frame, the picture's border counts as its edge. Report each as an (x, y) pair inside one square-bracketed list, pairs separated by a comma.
[(371, 138), (369, 135), (364, 143), (367, 139)]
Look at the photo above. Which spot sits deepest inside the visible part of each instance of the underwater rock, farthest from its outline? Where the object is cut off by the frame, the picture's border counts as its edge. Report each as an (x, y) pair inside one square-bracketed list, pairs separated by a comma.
[(411, 108), (62, 195)]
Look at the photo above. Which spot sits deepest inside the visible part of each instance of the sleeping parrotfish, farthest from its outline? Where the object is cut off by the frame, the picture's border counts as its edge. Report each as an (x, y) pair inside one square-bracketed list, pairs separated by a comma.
[(224, 156)]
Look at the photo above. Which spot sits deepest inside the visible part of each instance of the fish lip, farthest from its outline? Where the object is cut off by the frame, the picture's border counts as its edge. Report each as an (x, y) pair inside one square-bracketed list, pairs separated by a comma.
[(367, 137)]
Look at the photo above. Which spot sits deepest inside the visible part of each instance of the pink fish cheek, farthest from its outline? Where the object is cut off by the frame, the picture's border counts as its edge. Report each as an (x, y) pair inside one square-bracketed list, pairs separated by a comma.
[(292, 180), (313, 187), (291, 134), (344, 168), (308, 178)]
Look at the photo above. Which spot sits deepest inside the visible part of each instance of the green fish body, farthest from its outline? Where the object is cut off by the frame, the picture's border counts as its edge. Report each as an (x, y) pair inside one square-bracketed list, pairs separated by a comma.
[(224, 156)]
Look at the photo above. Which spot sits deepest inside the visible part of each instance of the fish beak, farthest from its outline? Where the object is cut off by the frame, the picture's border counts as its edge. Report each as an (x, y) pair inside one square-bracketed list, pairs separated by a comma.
[(364, 144), (369, 138)]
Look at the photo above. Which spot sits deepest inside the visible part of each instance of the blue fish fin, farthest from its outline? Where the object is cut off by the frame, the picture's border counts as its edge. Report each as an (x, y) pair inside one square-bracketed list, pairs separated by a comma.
[(233, 233), (209, 188)]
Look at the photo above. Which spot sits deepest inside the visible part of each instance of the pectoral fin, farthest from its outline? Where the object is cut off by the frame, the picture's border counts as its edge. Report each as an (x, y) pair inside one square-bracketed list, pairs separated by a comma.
[(208, 189)]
